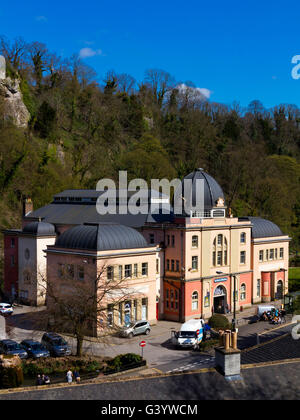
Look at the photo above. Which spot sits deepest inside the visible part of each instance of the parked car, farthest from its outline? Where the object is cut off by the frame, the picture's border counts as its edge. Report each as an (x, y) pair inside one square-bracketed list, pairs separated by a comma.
[(56, 345), (35, 349), (10, 347), (136, 328), (6, 309)]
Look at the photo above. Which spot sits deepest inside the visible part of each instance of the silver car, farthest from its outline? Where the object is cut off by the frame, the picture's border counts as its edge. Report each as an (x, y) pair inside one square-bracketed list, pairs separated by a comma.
[(136, 328)]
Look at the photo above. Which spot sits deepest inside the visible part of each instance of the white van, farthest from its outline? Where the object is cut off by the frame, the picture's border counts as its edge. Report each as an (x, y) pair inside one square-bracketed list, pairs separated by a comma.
[(190, 335)]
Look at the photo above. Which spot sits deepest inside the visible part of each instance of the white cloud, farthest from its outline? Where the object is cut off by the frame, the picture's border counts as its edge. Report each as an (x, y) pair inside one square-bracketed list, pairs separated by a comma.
[(183, 88), (41, 19), (89, 52)]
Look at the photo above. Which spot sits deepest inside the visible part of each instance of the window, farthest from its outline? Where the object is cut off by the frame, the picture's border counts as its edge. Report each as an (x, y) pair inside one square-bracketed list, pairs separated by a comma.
[(195, 241), (172, 298), (12, 261), (194, 301), (128, 270), (173, 240), (80, 272), (261, 255), (258, 288), (177, 266), (168, 265), (167, 298), (220, 239), (157, 266), (26, 278), (267, 254), (195, 263), (219, 259), (135, 270), (276, 254), (144, 269), (243, 257), (225, 257), (243, 291), (214, 258), (176, 299), (172, 265), (12, 243), (110, 315), (168, 239), (151, 238), (27, 254), (243, 238), (271, 254), (281, 253), (110, 273), (120, 272), (70, 270)]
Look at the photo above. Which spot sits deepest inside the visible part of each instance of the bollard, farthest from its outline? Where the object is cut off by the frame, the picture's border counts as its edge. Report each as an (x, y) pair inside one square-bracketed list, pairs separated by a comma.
[(221, 338), (230, 341)]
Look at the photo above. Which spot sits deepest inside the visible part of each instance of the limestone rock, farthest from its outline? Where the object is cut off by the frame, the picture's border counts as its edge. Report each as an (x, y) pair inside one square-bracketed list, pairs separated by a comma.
[(14, 106)]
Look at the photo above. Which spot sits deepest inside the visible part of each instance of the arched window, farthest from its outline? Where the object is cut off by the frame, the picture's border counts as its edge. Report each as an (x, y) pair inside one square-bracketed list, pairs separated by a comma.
[(243, 291), (279, 290), (219, 254), (194, 301)]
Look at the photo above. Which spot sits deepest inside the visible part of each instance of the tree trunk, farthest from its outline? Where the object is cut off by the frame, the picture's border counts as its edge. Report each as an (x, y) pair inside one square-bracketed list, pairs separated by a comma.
[(79, 346)]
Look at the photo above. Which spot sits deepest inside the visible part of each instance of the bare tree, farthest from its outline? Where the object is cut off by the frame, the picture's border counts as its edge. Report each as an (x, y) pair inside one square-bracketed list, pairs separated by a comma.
[(160, 82), (84, 305)]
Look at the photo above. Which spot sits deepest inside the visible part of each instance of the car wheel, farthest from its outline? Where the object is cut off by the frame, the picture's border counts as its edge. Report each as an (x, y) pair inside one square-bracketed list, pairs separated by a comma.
[(196, 347), (130, 335), (147, 332)]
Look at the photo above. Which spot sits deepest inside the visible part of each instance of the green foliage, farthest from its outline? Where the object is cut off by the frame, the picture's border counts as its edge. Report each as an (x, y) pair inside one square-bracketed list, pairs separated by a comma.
[(296, 306), (52, 366), (11, 377), (294, 279), (28, 98), (123, 360), (207, 345), (218, 321)]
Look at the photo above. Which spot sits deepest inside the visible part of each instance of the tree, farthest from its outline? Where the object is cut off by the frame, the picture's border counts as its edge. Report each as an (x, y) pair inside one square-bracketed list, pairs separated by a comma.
[(160, 83), (79, 305)]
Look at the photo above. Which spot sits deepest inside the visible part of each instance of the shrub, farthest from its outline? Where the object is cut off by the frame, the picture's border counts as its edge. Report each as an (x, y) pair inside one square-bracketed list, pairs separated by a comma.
[(219, 321), (123, 360)]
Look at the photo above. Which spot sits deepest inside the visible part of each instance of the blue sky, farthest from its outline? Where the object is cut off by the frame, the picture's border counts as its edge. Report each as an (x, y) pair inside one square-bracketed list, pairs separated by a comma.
[(239, 50)]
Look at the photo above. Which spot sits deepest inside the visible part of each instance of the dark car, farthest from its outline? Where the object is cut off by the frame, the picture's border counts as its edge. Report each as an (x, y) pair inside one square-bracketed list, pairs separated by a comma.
[(10, 347), (56, 345), (35, 349)]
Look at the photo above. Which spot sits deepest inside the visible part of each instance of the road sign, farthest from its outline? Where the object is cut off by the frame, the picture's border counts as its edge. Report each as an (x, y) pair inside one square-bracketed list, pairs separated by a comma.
[(198, 332), (142, 343)]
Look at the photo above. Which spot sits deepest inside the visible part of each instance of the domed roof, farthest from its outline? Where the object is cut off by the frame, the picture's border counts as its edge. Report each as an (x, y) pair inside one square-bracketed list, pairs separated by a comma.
[(263, 228), (39, 228), (212, 191), (101, 238)]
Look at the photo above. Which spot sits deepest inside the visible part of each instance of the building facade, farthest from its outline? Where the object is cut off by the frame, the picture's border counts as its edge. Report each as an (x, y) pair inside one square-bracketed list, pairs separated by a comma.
[(182, 266)]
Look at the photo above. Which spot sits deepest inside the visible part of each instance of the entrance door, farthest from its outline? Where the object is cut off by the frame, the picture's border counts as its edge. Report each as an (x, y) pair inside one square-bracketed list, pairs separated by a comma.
[(279, 291), (220, 300)]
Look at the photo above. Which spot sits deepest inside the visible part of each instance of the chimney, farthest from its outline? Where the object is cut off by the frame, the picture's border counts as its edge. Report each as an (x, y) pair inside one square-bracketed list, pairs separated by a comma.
[(27, 206)]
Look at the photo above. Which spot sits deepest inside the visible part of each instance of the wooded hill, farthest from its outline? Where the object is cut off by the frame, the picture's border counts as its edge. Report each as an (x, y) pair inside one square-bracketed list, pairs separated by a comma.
[(82, 129)]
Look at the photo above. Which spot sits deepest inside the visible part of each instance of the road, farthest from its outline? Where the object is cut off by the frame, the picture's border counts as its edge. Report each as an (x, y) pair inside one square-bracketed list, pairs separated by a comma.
[(159, 352)]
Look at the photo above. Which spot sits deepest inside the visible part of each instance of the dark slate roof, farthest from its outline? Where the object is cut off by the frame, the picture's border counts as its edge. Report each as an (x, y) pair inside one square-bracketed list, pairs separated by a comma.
[(263, 228), (212, 190), (101, 238), (77, 214), (39, 228)]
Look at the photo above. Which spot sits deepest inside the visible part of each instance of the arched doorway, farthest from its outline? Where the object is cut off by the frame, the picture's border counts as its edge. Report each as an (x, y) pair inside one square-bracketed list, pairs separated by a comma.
[(220, 300), (279, 290)]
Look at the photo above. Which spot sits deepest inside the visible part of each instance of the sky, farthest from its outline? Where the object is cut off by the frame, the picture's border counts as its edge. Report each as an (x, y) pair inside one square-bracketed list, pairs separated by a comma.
[(238, 51)]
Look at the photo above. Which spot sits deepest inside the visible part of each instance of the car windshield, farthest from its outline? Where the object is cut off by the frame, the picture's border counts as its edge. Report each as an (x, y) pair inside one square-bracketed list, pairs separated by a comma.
[(59, 342), (130, 325), (37, 346), (13, 347), (187, 334)]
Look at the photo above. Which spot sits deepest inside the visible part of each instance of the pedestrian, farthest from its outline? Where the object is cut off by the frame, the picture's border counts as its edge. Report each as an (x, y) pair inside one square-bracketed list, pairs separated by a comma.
[(77, 376), (39, 380), (69, 376), (46, 380)]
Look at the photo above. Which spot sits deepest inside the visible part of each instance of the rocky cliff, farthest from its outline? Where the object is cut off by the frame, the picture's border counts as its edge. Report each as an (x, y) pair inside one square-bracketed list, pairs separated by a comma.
[(14, 107)]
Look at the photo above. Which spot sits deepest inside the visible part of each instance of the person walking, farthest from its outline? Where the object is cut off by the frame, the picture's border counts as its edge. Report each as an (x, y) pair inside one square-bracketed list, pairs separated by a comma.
[(77, 376), (69, 376)]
